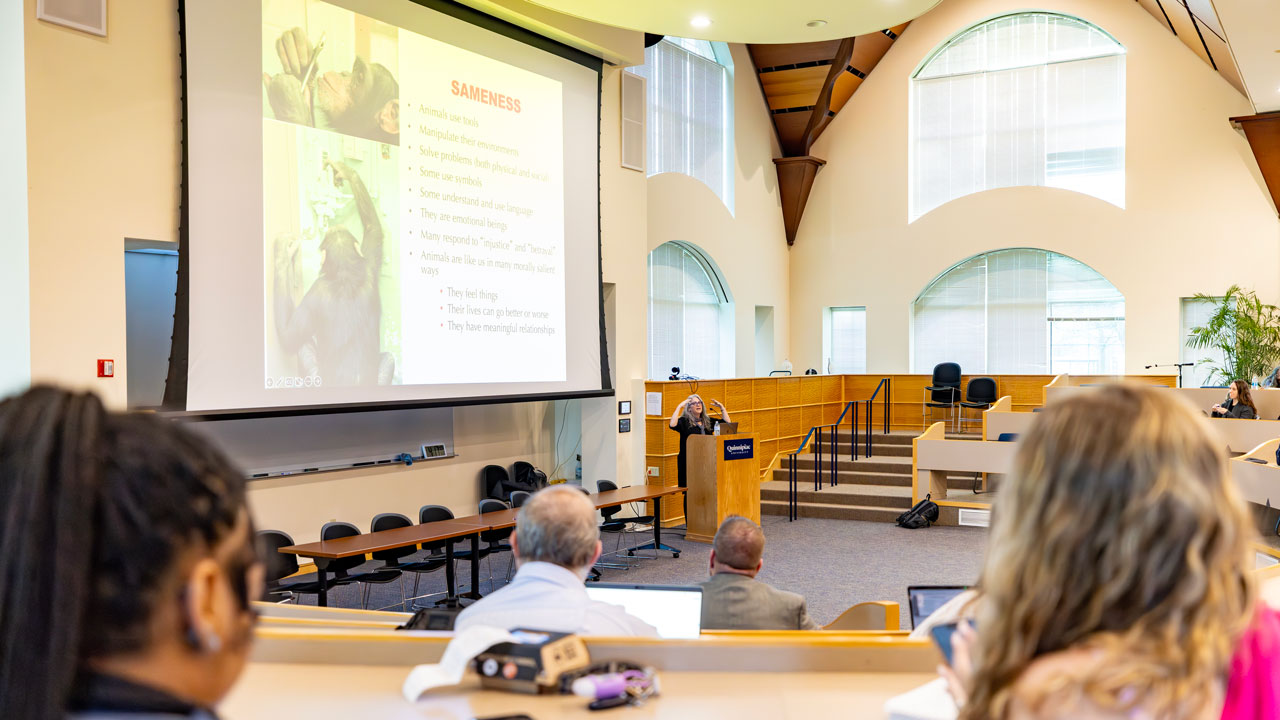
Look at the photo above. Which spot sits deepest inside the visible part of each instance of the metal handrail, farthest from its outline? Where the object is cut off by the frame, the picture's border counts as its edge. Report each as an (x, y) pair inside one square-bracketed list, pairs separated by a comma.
[(793, 475)]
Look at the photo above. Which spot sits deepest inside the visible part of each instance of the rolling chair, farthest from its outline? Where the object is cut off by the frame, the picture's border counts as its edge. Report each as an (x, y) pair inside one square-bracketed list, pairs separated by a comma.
[(943, 391), (391, 558), (341, 567), (980, 395), (497, 483), (281, 565), (519, 498), (495, 540), (619, 526)]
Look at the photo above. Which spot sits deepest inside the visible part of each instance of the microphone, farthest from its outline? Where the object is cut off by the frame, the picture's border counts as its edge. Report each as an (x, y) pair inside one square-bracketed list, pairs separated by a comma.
[(1148, 367)]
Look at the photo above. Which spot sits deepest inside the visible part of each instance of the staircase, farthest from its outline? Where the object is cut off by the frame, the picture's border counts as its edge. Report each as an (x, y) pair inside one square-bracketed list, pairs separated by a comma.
[(876, 488)]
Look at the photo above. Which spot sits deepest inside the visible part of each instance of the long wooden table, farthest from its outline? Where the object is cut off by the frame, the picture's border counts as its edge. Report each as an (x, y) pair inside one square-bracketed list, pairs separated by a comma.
[(326, 551)]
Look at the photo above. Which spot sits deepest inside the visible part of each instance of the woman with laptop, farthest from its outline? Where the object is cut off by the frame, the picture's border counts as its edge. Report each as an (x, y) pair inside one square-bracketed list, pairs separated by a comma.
[(1119, 577)]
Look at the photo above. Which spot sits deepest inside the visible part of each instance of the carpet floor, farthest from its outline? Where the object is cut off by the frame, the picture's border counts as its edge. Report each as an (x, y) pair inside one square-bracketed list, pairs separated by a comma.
[(833, 563)]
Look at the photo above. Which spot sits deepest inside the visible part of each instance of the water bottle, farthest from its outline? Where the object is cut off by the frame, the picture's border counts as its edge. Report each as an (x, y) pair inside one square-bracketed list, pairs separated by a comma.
[(577, 471)]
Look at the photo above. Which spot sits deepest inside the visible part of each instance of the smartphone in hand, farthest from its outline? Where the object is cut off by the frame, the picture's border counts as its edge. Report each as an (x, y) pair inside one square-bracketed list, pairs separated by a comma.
[(942, 635)]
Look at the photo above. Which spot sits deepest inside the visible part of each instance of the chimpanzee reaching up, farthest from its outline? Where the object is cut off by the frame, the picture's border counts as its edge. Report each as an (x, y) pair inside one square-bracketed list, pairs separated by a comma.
[(336, 328), (364, 102)]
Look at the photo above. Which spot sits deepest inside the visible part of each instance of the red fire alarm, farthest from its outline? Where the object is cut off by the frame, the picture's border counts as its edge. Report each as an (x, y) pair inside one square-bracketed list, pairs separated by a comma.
[(106, 368)]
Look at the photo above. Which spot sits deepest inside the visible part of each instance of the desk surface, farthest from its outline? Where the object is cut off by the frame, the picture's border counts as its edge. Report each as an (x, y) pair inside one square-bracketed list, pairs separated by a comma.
[(445, 529), (359, 691)]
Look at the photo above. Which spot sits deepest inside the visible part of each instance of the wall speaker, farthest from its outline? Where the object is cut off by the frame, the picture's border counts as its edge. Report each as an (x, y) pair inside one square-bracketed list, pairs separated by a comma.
[(87, 15), (634, 88)]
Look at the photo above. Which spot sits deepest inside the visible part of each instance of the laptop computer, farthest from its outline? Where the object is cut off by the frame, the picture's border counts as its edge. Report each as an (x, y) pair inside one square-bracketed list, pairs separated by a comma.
[(728, 428), (675, 610), (924, 599)]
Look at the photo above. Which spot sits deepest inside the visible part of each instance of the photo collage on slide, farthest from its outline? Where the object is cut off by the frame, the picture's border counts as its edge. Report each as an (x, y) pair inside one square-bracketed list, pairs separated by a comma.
[(413, 208)]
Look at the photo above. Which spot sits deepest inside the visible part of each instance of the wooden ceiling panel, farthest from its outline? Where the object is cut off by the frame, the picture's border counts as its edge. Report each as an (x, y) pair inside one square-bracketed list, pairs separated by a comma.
[(800, 81), (1180, 17), (867, 51), (844, 88), (1204, 12), (897, 29), (798, 100), (1263, 132), (1225, 61), (1154, 10), (766, 56), (790, 130)]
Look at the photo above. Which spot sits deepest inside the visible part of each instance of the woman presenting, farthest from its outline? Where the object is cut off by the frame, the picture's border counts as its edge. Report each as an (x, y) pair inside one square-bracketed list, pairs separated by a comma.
[(690, 418)]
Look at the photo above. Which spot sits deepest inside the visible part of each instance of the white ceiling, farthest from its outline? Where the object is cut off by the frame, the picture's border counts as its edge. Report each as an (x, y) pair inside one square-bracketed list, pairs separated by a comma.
[(1252, 29), (748, 21)]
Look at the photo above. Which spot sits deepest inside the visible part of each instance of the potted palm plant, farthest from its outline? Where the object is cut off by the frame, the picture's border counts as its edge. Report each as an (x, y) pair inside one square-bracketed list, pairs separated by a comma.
[(1245, 330)]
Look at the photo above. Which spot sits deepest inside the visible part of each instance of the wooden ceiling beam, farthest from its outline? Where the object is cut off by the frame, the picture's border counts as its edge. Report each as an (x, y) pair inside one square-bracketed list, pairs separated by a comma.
[(820, 108)]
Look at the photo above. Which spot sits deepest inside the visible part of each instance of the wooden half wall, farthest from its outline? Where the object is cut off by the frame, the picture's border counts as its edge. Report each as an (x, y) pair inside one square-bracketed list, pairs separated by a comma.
[(780, 410)]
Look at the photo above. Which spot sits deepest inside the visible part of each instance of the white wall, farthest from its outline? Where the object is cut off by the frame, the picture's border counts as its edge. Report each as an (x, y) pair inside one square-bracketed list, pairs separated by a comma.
[(1196, 218), (15, 293)]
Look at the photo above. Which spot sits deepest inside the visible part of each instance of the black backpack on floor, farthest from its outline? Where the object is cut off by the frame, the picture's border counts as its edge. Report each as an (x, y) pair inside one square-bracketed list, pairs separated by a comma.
[(922, 514)]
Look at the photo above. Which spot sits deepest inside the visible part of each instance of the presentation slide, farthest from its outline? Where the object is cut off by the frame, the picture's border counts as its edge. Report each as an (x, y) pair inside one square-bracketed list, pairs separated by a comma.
[(426, 209)]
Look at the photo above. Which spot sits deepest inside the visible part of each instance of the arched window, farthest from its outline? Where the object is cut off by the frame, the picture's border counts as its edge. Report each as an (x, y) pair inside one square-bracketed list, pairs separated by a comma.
[(690, 119), (1027, 99), (690, 314), (1020, 311)]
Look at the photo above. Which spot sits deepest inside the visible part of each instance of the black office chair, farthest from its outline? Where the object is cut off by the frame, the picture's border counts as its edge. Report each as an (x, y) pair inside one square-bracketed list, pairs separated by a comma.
[(495, 540), (342, 566), (980, 395), (519, 498), (525, 475), (943, 391), (621, 525), (391, 558), (462, 547), (497, 483), (282, 565)]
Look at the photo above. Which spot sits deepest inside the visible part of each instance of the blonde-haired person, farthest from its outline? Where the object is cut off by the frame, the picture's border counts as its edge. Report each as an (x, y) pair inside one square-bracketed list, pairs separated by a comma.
[(690, 418), (1239, 403), (1118, 581)]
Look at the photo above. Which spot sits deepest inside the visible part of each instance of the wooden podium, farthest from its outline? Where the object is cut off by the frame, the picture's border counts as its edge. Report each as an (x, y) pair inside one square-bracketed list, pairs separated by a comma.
[(724, 479)]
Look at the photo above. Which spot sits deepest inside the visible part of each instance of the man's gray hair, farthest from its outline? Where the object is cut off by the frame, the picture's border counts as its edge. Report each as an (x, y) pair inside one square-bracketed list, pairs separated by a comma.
[(739, 543), (557, 525)]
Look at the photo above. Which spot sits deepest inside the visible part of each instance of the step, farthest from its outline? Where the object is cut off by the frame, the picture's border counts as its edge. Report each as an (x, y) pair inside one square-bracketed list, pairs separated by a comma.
[(859, 495), (832, 511), (844, 450), (954, 480)]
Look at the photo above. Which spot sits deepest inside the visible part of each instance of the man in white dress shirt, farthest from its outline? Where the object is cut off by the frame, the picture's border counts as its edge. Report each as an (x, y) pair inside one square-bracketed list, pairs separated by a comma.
[(555, 544)]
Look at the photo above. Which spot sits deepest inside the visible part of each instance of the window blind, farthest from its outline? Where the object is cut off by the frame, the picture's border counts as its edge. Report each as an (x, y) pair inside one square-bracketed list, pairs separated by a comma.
[(688, 112), (1028, 99)]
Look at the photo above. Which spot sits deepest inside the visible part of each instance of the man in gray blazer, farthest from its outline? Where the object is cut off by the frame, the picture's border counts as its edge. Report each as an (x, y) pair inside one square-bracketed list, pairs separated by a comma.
[(732, 599)]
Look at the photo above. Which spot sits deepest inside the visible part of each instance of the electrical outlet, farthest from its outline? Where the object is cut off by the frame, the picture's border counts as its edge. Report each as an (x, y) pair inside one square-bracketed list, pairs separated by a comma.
[(653, 471)]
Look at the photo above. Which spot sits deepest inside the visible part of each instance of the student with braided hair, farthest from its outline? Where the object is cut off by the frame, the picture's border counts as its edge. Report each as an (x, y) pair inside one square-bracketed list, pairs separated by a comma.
[(127, 564)]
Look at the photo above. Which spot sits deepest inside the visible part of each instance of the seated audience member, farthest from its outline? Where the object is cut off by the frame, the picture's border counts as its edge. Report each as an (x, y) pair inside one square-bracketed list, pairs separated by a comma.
[(1118, 581), (1239, 403), (127, 564), (732, 599), (555, 544)]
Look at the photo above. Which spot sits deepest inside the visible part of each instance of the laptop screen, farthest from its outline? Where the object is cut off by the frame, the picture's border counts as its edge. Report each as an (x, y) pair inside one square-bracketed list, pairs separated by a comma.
[(925, 599), (675, 611)]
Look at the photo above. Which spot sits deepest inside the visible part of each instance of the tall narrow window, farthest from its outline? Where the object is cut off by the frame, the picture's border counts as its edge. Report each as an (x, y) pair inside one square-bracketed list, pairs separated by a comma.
[(690, 316), (690, 111), (1027, 99), (846, 341), (1020, 311), (1196, 312)]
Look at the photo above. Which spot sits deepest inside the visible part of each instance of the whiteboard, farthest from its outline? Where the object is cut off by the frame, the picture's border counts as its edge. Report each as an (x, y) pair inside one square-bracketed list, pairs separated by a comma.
[(297, 444)]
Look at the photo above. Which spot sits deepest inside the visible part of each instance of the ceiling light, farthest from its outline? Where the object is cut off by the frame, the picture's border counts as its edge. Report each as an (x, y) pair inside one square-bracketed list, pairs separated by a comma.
[(700, 21), (816, 23)]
